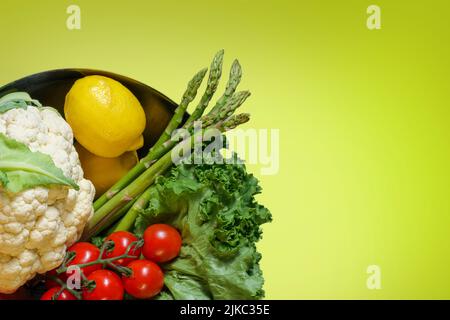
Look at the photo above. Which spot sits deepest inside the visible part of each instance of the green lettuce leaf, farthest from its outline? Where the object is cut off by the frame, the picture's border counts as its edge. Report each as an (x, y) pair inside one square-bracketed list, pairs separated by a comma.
[(214, 208), (22, 169)]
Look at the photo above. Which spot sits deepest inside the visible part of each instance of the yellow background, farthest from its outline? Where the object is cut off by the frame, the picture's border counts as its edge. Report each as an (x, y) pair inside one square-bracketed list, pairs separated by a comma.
[(363, 116)]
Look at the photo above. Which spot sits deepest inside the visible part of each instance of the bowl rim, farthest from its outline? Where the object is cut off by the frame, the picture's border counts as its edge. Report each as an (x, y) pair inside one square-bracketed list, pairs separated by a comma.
[(12, 86)]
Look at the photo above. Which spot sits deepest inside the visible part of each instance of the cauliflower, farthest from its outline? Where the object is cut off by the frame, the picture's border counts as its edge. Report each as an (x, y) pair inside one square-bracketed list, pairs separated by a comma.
[(38, 224)]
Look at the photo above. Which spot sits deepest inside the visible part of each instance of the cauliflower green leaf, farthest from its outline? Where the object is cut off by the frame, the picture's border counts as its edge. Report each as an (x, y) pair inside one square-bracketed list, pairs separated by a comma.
[(214, 208), (17, 100), (22, 169)]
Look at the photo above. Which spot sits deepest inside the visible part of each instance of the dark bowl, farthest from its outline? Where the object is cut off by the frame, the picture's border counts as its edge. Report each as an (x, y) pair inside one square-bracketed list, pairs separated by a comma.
[(51, 87)]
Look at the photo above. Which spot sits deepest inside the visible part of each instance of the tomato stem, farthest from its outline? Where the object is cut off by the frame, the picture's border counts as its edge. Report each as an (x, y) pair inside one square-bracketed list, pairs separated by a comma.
[(107, 245), (64, 286)]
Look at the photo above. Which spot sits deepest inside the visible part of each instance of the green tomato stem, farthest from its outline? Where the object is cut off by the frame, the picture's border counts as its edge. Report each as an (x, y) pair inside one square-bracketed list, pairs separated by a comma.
[(104, 262), (64, 286)]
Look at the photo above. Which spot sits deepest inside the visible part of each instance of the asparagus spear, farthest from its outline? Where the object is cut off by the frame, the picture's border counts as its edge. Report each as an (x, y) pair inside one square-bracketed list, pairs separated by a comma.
[(117, 215), (226, 110), (141, 203), (213, 81), (222, 113), (233, 82), (188, 96), (232, 122)]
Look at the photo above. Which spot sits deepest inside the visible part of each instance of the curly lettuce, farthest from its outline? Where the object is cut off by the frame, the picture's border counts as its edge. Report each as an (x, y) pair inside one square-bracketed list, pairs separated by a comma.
[(214, 207)]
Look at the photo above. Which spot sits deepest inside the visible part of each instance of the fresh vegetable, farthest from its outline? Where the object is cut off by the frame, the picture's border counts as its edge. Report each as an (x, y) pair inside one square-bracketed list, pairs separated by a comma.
[(58, 293), (214, 206), (213, 82), (44, 200), (162, 243), (106, 118), (122, 241), (212, 256), (104, 172), (146, 280), (85, 252), (106, 285)]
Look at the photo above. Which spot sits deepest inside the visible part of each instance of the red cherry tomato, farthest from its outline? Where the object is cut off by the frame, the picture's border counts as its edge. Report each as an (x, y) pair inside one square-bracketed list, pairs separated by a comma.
[(85, 252), (161, 243), (122, 240), (64, 295), (108, 286), (146, 280), (49, 283)]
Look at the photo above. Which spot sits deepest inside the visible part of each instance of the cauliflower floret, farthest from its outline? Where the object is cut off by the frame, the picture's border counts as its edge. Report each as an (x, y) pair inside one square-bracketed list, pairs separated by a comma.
[(38, 224)]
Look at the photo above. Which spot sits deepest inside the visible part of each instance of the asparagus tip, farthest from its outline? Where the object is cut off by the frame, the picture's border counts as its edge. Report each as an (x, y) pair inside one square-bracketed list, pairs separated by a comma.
[(236, 67), (220, 53)]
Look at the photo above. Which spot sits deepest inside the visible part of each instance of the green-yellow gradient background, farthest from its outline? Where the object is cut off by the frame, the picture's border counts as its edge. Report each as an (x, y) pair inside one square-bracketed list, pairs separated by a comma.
[(363, 116)]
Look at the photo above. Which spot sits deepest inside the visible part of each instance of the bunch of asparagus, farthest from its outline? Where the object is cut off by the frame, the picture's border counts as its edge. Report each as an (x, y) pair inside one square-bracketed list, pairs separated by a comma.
[(125, 199)]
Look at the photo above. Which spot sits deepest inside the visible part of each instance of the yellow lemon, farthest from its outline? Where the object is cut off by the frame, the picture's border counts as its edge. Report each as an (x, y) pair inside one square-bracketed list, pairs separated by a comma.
[(106, 118), (104, 172)]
